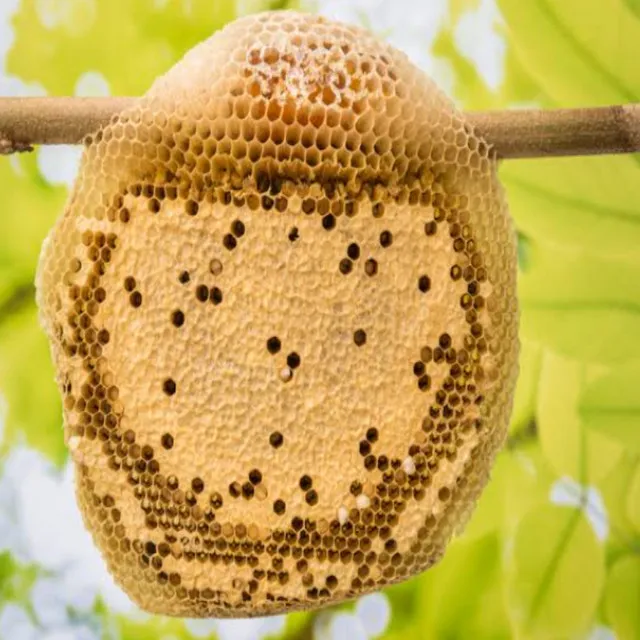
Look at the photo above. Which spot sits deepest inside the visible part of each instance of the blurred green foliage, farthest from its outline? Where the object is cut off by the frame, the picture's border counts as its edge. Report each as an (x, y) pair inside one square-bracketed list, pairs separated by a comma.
[(524, 568)]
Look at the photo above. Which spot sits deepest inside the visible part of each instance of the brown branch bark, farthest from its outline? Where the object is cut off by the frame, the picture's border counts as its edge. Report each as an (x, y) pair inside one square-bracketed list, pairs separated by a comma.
[(538, 133), (529, 133)]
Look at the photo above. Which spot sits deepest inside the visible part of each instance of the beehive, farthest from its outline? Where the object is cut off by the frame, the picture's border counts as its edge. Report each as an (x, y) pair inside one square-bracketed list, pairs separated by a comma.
[(281, 302)]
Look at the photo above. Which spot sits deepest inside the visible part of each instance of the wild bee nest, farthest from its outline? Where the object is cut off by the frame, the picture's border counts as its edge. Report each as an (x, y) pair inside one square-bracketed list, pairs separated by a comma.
[(282, 308)]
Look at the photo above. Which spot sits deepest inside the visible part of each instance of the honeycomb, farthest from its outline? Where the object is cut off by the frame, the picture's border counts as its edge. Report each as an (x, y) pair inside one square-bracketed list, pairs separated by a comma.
[(282, 308)]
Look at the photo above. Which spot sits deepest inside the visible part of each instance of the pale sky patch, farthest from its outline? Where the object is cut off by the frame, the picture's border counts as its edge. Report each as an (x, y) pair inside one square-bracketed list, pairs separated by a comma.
[(374, 613), (92, 84), (59, 164), (477, 38), (567, 492)]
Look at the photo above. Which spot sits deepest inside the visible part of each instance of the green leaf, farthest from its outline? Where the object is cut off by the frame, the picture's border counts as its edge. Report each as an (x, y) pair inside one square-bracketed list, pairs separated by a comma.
[(571, 450), (580, 305), (633, 501), (7, 571), (586, 57), (586, 203), (29, 207), (297, 624), (151, 629), (151, 36), (405, 605), (618, 492), (527, 387), (459, 7), (528, 484), (489, 514), (634, 5), (462, 596), (27, 382), (555, 574), (16, 580), (611, 405), (580, 55), (76, 34), (520, 481), (580, 203), (622, 595), (469, 87)]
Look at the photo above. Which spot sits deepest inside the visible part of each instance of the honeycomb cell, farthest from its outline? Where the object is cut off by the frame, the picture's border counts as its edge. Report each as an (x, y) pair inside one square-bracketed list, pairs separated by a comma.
[(281, 305), (360, 337)]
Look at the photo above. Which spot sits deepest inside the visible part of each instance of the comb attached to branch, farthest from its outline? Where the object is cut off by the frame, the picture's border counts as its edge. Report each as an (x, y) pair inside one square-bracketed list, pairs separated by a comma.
[(522, 133)]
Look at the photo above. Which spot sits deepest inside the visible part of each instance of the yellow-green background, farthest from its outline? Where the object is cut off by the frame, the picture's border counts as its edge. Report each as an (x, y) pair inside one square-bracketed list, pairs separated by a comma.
[(553, 550)]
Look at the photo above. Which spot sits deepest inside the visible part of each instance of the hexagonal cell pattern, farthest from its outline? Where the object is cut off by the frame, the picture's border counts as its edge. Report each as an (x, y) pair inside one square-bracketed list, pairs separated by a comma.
[(281, 302)]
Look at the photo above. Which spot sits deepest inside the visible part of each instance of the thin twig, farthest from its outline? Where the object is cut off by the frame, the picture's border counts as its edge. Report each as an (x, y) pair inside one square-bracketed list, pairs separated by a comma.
[(526, 133)]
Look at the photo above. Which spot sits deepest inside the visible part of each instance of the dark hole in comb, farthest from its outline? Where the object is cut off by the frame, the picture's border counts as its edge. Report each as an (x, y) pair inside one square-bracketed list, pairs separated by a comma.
[(445, 341), (371, 267), (360, 337), (276, 439), (216, 500), (329, 222), (353, 251), (378, 210), (430, 228), (136, 299), (216, 295), (167, 441), (346, 266), (202, 292), (273, 345), (247, 490), (293, 360), (169, 386), (229, 242), (237, 228), (177, 318)]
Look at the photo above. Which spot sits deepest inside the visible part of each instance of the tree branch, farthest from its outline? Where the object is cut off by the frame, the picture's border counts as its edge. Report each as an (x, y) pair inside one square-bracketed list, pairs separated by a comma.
[(527, 133)]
